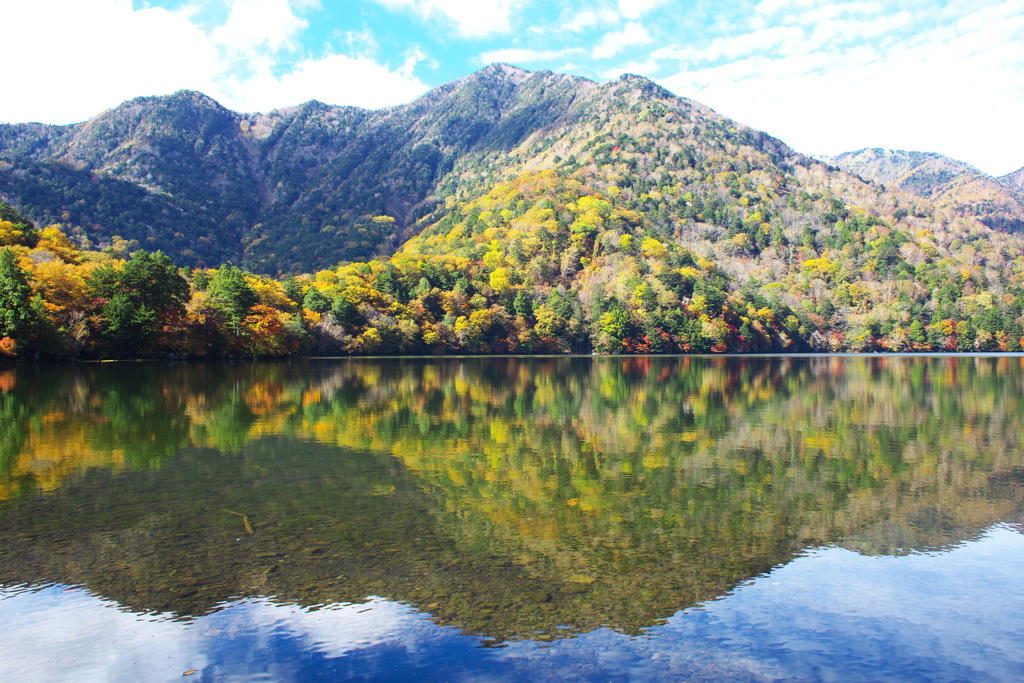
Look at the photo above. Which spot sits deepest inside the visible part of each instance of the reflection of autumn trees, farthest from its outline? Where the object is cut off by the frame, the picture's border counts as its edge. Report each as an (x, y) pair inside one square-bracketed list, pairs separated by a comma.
[(622, 489), (697, 451), (610, 450)]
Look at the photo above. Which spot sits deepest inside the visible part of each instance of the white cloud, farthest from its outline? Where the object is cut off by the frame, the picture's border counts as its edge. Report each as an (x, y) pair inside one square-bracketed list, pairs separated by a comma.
[(515, 55), (634, 9), (784, 37), (788, 40), (834, 11), (589, 19), (957, 88), (96, 55), (770, 7), (253, 24), (100, 53), (359, 42), (337, 79), (473, 18), (615, 42), (831, 31)]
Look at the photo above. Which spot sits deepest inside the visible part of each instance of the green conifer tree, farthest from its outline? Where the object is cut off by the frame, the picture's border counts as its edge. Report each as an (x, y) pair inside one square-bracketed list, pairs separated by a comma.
[(917, 333), (15, 298), (231, 293), (523, 305), (316, 301)]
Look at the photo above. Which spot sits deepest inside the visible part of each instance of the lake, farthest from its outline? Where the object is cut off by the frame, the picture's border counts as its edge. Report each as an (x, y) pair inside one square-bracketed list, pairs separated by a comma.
[(509, 519)]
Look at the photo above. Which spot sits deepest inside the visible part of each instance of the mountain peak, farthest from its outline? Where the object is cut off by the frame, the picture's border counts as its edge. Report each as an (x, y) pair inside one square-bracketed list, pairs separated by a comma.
[(192, 98), (891, 165), (504, 69), (644, 85)]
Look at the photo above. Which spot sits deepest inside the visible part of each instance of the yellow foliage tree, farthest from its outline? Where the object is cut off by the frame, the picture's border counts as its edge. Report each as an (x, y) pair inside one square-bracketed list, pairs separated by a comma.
[(53, 239), (500, 280)]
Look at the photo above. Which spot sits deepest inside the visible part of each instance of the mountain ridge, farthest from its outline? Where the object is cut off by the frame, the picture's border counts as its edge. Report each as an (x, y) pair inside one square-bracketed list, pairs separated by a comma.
[(950, 183), (507, 212), (1015, 179), (253, 174)]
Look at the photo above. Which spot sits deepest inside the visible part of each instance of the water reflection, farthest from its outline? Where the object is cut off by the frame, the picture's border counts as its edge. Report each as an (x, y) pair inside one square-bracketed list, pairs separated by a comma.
[(516, 499), (829, 615)]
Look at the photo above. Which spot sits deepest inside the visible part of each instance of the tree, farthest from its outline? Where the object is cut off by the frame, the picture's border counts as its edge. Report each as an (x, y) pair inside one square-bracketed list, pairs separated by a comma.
[(230, 292), (293, 290), (523, 305), (714, 298), (139, 293), (128, 327), (265, 332), (15, 297), (149, 280), (500, 280), (917, 334), (316, 301), (15, 228), (345, 312), (615, 324)]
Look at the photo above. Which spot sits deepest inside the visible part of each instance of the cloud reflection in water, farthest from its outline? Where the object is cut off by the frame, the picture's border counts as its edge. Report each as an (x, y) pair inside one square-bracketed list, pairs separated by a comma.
[(832, 614)]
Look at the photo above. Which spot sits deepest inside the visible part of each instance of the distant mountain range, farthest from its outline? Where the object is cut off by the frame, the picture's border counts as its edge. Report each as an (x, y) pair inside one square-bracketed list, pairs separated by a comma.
[(996, 202), (303, 188)]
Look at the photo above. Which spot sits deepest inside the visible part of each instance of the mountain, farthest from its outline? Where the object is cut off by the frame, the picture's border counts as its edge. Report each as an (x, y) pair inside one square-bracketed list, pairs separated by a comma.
[(302, 188), (178, 173), (1015, 179), (506, 212), (998, 203), (299, 188), (292, 190)]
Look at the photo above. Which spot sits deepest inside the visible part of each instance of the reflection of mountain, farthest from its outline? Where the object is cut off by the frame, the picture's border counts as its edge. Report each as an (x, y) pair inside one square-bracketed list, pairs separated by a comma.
[(505, 496)]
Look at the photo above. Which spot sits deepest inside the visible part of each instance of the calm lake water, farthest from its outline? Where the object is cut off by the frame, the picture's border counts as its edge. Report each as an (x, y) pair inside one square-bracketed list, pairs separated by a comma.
[(499, 519)]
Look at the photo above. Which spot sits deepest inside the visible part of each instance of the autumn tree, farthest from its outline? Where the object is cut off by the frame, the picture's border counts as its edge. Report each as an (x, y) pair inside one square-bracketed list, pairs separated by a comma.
[(15, 228)]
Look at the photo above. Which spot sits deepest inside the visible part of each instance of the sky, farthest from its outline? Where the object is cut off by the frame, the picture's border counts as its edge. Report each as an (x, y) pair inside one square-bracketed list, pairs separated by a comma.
[(941, 76)]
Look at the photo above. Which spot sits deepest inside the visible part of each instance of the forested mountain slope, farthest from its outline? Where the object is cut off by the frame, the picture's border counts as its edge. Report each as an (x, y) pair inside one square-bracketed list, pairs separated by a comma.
[(1015, 179), (286, 191), (507, 212), (303, 188), (998, 203)]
